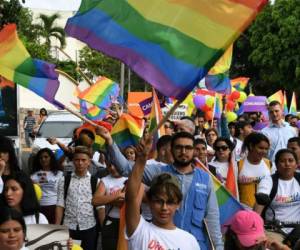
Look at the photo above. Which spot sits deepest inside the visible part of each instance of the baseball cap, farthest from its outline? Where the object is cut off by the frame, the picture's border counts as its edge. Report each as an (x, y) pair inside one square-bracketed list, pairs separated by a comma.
[(248, 226)]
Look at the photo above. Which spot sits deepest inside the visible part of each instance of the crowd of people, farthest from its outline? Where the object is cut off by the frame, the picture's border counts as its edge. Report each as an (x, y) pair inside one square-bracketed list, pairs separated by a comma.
[(168, 202)]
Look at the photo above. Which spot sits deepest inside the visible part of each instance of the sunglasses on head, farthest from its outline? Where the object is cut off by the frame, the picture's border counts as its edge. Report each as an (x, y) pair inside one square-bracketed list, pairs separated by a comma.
[(223, 148)]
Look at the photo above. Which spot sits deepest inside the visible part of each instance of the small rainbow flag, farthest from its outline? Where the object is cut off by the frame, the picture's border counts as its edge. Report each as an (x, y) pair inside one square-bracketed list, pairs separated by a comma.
[(228, 205), (217, 78), (278, 96), (218, 106), (239, 83), (155, 115), (128, 130), (293, 106), (171, 44), (17, 66), (285, 107), (102, 93), (91, 112)]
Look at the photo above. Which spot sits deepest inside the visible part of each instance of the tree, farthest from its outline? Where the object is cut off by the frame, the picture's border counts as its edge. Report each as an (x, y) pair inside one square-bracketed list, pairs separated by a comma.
[(269, 51), (49, 30), (95, 64), (9, 12)]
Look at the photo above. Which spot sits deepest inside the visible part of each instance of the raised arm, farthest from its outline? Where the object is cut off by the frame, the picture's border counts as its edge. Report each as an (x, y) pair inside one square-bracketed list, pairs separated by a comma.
[(133, 202)]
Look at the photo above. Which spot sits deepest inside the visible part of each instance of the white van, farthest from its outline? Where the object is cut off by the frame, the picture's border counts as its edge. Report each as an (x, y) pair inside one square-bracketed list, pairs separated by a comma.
[(59, 124)]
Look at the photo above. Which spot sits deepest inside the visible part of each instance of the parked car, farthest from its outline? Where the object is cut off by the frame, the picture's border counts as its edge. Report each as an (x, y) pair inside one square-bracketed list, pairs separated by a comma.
[(59, 124)]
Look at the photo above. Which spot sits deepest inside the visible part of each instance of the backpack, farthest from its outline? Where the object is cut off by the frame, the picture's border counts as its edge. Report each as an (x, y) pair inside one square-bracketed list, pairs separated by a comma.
[(94, 182), (275, 179)]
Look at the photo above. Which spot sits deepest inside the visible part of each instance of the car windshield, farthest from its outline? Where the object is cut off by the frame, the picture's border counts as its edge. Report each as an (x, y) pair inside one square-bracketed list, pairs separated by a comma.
[(58, 129)]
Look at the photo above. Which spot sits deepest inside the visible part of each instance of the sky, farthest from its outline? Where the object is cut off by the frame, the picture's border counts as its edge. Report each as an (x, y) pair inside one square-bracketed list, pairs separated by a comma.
[(63, 5)]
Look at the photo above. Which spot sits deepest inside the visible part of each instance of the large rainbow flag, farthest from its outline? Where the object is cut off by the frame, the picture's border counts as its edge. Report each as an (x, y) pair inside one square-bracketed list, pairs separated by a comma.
[(293, 106), (228, 205), (170, 43), (17, 66), (239, 83), (127, 131)]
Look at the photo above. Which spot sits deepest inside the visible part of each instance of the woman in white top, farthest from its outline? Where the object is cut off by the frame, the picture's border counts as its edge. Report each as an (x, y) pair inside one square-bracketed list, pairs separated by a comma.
[(254, 167), (286, 200), (19, 194), (164, 198), (219, 165), (46, 175), (111, 193)]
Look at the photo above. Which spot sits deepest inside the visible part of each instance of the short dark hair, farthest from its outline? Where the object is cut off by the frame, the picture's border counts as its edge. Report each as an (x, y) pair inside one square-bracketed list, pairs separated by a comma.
[(88, 132), (29, 203), (165, 183), (294, 139), (211, 129), (200, 141), (241, 125), (163, 141), (182, 134), (82, 150), (287, 117), (253, 139), (284, 151), (274, 103), (7, 214), (7, 146), (54, 167)]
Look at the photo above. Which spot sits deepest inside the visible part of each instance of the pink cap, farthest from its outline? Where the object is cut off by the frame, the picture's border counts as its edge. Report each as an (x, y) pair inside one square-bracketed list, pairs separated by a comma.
[(248, 226)]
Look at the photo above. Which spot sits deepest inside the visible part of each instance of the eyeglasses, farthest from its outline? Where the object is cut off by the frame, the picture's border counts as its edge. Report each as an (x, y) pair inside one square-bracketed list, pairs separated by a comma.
[(183, 147), (162, 202), (223, 148)]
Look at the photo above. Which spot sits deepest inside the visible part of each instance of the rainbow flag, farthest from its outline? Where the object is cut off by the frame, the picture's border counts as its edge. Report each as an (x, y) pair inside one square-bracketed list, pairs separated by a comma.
[(293, 106), (217, 106), (285, 107), (171, 44), (278, 96), (102, 93), (17, 66), (91, 112), (217, 78), (228, 205), (155, 115), (239, 83), (128, 130)]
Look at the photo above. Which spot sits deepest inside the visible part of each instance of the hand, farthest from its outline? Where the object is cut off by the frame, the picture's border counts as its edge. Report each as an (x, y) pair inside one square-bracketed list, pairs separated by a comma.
[(105, 134), (2, 166), (52, 140), (144, 147), (69, 244)]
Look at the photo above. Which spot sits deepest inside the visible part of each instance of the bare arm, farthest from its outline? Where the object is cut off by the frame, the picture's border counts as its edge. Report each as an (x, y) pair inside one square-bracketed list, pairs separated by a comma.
[(100, 198), (133, 201), (59, 211), (258, 208)]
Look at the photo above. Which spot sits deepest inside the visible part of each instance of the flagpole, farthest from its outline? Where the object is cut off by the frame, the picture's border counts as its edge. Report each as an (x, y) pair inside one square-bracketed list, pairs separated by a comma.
[(77, 68), (213, 115), (167, 116)]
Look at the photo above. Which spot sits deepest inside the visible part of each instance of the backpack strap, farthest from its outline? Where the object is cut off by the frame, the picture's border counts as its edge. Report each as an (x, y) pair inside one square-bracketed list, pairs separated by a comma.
[(37, 217), (94, 182), (297, 177), (275, 178), (66, 185), (268, 163), (240, 165)]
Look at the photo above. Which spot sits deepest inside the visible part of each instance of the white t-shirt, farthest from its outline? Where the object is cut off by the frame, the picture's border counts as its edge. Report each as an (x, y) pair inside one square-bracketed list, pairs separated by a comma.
[(286, 202), (30, 219), (222, 170), (237, 152), (148, 236), (253, 173), (113, 185), (48, 183)]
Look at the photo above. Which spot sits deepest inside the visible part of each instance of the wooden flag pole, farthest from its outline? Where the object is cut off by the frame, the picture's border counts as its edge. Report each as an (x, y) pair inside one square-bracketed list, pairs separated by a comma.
[(170, 112), (77, 68)]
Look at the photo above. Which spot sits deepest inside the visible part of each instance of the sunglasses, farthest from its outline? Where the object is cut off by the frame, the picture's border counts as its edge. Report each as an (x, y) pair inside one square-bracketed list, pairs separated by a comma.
[(223, 148)]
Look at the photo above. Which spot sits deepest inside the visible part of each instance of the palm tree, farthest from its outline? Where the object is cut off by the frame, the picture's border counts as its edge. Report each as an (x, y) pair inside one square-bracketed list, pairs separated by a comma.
[(48, 30)]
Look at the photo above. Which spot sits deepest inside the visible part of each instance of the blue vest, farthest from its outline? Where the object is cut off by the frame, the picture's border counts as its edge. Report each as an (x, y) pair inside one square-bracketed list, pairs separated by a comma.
[(190, 218)]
